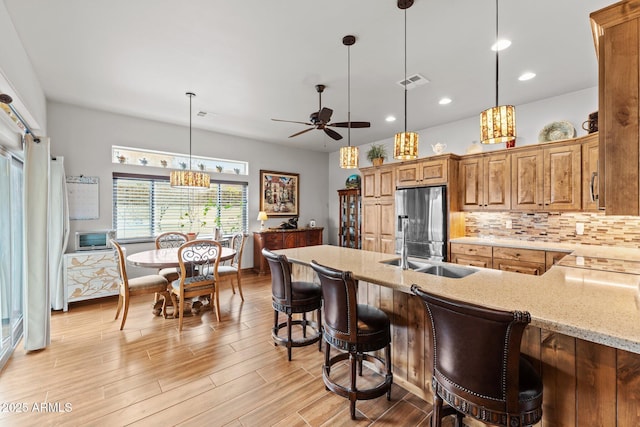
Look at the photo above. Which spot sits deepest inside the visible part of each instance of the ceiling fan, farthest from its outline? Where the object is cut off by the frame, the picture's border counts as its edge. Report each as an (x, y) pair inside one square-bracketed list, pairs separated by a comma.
[(320, 120)]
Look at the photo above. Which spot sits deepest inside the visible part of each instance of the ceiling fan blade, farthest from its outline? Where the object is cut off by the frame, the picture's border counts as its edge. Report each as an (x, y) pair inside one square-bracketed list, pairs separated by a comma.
[(353, 125), (290, 121), (325, 115), (301, 132), (333, 134)]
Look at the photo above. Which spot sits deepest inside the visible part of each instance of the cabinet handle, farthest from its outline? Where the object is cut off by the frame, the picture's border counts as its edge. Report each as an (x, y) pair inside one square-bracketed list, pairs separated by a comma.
[(592, 195)]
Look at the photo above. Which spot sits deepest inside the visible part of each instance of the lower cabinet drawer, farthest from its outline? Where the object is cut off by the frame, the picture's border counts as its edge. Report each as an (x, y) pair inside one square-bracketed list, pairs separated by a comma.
[(470, 260), (534, 269), (476, 250), (518, 254)]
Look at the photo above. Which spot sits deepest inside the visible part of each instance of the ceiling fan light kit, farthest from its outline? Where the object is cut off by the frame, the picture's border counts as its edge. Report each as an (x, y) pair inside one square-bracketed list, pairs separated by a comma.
[(498, 124), (405, 145), (348, 154), (189, 178)]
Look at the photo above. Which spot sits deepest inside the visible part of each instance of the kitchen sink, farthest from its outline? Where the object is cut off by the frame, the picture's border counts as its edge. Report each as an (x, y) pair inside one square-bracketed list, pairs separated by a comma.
[(435, 268), (413, 265), (450, 271)]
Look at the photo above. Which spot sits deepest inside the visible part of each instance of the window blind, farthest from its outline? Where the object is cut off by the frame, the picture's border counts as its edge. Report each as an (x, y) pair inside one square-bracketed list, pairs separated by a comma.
[(145, 206)]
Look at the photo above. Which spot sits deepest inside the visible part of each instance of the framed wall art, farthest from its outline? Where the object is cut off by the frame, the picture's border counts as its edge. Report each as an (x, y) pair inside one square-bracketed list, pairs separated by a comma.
[(279, 193)]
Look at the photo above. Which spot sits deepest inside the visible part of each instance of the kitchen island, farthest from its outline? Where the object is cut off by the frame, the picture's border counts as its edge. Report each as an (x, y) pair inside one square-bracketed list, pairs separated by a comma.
[(584, 336)]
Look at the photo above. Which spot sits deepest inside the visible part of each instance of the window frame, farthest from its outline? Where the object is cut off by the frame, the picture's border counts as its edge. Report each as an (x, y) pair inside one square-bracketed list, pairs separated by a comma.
[(152, 219)]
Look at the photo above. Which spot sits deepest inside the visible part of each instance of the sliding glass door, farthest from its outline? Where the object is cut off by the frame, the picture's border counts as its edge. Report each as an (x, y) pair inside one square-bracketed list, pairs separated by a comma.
[(11, 253)]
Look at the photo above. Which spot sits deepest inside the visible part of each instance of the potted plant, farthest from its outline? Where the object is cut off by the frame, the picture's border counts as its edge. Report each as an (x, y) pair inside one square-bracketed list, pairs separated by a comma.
[(376, 154)]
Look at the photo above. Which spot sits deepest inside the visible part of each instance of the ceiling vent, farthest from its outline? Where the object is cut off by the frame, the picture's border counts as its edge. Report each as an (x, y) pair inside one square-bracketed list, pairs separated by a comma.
[(205, 114), (413, 81)]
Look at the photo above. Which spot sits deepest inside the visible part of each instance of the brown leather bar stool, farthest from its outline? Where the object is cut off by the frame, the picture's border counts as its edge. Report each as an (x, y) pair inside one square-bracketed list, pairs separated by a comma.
[(291, 297), (478, 370), (356, 329)]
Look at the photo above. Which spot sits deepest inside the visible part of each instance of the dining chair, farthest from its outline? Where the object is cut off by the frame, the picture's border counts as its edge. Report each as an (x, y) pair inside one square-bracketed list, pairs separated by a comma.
[(199, 260), (235, 268), (170, 239), (150, 284), (478, 370)]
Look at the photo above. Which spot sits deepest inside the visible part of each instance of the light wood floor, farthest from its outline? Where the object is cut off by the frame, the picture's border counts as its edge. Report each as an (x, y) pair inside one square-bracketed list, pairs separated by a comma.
[(223, 374)]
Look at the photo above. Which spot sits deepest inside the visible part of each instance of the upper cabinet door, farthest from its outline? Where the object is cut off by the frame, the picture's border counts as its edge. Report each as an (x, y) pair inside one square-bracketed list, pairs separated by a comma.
[(562, 178), (527, 183), (470, 174), (616, 31), (497, 182)]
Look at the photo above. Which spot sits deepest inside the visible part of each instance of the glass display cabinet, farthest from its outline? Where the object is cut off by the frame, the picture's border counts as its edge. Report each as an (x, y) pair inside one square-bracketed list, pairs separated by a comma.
[(349, 227)]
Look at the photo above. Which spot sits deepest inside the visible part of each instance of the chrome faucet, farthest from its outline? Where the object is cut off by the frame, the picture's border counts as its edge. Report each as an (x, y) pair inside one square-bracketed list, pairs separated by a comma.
[(404, 224)]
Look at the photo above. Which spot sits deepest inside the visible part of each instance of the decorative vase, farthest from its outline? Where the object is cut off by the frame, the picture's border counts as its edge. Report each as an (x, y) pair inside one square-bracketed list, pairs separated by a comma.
[(378, 161)]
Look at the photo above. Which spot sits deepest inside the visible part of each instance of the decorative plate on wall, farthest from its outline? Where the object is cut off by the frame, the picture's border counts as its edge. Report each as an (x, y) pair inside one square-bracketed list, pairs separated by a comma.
[(556, 131), (353, 181)]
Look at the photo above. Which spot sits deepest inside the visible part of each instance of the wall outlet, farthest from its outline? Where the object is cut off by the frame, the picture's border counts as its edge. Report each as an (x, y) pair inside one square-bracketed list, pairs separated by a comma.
[(508, 224), (579, 228)]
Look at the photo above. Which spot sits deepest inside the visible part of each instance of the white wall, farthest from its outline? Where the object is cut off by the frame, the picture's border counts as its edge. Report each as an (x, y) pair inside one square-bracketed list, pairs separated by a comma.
[(573, 107), (84, 137), (17, 75)]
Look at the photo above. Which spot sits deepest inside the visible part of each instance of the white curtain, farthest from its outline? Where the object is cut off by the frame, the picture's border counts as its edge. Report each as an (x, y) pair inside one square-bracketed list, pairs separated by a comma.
[(37, 315), (58, 231)]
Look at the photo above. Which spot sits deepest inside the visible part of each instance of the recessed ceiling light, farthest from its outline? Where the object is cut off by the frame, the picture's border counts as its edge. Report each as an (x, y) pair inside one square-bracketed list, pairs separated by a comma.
[(526, 76), (501, 44), (444, 101), (390, 119)]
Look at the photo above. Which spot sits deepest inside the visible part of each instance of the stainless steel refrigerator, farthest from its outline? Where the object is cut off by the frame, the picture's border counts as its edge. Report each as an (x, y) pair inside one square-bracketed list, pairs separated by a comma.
[(426, 208)]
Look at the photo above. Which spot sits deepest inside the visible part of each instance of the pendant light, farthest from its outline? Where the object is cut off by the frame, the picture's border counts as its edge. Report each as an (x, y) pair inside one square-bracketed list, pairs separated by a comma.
[(348, 154), (405, 145), (189, 178), (498, 124)]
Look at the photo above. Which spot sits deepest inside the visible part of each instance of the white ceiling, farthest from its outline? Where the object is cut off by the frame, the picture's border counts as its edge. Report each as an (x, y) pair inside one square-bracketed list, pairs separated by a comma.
[(252, 60)]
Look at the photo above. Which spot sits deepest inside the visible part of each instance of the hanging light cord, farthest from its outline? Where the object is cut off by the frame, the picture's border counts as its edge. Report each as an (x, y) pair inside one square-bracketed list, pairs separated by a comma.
[(405, 70), (497, 54), (190, 98), (349, 95)]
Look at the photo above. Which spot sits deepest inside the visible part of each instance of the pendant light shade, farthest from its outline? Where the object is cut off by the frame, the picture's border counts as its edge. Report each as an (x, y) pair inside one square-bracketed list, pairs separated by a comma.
[(498, 124), (189, 178), (348, 157), (348, 154), (405, 145)]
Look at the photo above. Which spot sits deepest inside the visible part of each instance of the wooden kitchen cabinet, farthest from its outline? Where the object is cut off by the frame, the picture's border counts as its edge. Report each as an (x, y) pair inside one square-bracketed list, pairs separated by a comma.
[(472, 255), (515, 260), (378, 182), (616, 31), (378, 209), (547, 178), (378, 225), (485, 182), (590, 182), (282, 239), (518, 260), (422, 172)]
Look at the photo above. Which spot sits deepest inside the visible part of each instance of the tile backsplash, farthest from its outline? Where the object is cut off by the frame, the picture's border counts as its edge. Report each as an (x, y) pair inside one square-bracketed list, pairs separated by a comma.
[(599, 229)]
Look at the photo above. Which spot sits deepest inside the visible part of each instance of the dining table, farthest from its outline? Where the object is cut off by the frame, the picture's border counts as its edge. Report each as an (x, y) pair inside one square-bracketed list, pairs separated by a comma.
[(168, 258)]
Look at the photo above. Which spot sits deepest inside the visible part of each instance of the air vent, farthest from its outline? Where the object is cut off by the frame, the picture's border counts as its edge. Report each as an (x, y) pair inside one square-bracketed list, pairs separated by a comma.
[(413, 81), (206, 114)]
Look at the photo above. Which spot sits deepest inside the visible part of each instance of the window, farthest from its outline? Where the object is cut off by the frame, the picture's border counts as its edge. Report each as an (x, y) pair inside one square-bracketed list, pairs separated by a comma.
[(145, 206)]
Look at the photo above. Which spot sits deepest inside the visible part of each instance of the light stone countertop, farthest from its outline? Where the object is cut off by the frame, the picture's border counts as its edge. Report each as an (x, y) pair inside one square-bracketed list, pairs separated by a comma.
[(597, 306), (515, 243)]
